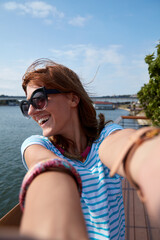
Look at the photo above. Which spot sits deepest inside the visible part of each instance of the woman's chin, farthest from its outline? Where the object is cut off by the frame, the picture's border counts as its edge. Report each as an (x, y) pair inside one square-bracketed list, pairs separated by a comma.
[(47, 133)]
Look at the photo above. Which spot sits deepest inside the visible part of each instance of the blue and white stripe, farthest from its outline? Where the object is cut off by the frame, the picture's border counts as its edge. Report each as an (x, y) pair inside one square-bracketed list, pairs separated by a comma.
[(102, 200)]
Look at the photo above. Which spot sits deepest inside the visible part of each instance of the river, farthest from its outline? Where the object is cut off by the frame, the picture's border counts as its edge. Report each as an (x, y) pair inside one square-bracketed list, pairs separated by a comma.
[(14, 129)]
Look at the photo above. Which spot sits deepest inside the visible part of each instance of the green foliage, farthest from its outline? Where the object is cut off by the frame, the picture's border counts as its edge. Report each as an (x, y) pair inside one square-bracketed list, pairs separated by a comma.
[(149, 95)]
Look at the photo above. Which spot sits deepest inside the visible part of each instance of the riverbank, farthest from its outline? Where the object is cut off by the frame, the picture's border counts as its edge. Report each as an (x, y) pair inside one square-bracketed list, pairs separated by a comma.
[(144, 122), (124, 108), (137, 112)]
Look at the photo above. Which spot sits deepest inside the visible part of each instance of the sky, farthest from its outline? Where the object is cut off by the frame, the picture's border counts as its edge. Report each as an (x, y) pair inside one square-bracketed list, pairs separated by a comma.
[(103, 41)]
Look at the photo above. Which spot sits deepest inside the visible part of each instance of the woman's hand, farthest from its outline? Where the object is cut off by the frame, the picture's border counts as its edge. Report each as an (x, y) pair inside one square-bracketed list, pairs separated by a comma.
[(144, 166), (145, 171)]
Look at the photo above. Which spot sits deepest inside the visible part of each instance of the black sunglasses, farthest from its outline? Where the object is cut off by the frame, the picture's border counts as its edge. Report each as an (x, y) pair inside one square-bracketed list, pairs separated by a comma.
[(38, 100)]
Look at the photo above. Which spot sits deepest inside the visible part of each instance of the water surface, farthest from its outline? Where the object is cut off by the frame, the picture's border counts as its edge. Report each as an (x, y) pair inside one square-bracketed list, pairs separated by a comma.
[(14, 129)]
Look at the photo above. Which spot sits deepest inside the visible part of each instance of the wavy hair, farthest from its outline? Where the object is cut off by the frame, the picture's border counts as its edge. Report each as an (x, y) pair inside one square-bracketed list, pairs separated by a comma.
[(45, 72)]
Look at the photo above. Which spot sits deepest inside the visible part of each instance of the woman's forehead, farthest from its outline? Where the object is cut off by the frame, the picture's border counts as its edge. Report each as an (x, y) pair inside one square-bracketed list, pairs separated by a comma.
[(30, 89)]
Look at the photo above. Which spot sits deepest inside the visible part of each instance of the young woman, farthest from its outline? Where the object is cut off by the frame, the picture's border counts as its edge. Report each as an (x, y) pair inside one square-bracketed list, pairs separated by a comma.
[(73, 187)]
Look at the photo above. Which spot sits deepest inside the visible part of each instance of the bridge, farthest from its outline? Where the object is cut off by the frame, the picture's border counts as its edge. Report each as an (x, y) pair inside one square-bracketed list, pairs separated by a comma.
[(11, 100)]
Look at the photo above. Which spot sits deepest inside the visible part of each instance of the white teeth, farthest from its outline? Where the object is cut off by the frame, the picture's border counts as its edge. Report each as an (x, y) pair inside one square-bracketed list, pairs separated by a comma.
[(42, 120)]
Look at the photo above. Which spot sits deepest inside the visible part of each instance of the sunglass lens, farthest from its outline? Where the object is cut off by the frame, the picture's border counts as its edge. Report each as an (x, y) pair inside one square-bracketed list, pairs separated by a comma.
[(24, 108), (39, 100)]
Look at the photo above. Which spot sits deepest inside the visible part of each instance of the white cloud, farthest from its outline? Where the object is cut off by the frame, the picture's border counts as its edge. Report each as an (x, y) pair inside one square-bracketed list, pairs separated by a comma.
[(11, 76), (86, 59), (90, 53), (10, 5), (37, 9), (117, 73), (48, 21), (79, 21), (41, 9), (7, 73), (10, 80)]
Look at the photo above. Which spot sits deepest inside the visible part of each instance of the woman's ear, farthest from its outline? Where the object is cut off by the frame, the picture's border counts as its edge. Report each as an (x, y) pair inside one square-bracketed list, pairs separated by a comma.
[(74, 100)]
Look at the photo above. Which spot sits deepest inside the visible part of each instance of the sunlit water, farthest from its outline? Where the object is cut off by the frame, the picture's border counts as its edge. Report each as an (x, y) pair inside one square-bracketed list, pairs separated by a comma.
[(14, 129)]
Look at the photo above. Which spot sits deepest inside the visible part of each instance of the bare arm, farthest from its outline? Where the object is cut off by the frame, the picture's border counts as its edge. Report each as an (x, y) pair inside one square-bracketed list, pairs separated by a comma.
[(52, 209), (111, 147), (52, 205), (144, 167), (37, 153)]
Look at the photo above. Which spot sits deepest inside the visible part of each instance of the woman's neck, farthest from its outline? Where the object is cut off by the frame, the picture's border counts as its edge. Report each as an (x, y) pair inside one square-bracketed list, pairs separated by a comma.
[(81, 156), (78, 144), (77, 140), (76, 134)]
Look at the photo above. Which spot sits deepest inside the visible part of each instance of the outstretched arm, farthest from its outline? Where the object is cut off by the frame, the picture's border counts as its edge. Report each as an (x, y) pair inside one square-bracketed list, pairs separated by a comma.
[(52, 208), (144, 167), (52, 205)]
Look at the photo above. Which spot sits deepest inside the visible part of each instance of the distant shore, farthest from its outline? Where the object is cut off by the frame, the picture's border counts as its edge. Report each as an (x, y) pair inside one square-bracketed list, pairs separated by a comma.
[(124, 108)]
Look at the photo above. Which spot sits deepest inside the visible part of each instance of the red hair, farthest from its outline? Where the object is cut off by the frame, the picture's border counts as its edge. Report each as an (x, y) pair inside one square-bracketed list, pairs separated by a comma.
[(44, 72)]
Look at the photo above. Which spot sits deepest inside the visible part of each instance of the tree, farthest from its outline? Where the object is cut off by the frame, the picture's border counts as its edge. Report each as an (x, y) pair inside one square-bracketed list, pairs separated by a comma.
[(149, 95)]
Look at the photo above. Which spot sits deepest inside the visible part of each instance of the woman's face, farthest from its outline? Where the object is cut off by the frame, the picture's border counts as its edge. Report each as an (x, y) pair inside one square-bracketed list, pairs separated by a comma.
[(58, 116)]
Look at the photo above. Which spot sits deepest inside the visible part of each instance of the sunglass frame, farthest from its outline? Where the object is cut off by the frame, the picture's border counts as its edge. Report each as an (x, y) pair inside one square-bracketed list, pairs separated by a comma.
[(30, 101)]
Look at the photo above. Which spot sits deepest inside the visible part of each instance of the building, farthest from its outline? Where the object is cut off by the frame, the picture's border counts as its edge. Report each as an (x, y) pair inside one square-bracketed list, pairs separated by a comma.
[(104, 105)]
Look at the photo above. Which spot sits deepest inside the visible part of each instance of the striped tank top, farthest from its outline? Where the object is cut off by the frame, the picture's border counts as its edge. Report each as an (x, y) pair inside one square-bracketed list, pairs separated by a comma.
[(101, 199)]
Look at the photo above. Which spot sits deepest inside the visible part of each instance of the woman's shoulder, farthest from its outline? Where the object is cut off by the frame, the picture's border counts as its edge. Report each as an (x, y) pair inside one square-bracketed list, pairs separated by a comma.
[(36, 139), (108, 129)]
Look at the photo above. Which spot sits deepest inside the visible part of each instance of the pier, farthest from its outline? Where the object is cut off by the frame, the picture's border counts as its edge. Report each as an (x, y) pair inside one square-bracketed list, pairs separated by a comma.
[(138, 224)]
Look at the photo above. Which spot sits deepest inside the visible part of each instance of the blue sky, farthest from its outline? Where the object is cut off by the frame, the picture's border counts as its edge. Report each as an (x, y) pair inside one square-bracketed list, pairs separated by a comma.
[(102, 40)]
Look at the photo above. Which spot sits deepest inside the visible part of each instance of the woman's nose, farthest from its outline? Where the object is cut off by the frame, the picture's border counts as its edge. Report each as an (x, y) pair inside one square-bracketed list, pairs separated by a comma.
[(31, 110)]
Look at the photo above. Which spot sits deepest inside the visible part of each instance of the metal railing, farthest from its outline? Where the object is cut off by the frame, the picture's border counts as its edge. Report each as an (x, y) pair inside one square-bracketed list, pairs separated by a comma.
[(132, 121)]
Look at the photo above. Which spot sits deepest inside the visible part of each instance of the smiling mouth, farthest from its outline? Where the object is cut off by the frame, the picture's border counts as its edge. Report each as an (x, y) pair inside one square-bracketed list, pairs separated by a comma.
[(43, 120)]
